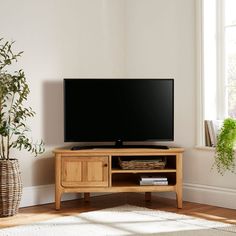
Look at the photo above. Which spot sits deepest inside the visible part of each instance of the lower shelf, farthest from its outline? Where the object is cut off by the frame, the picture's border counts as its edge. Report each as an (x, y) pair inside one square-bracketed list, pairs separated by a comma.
[(133, 180), (131, 188), (117, 170)]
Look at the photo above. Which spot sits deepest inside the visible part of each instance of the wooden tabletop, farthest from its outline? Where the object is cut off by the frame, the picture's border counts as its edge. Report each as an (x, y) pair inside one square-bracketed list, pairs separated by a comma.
[(120, 151)]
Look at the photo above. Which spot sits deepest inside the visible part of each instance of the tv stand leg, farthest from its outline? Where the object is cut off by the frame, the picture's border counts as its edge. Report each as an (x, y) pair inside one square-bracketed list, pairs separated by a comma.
[(58, 200), (179, 200), (148, 196), (86, 197), (179, 181)]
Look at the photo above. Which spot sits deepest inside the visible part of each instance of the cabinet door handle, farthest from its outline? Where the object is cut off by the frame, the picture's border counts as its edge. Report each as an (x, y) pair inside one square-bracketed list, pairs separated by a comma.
[(105, 165)]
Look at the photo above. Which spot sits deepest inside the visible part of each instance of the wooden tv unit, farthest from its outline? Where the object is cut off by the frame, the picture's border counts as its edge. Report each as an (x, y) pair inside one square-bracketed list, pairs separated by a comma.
[(96, 170)]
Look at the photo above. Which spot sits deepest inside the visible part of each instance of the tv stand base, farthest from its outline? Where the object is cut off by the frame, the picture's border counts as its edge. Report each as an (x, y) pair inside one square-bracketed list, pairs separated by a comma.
[(98, 170), (119, 147)]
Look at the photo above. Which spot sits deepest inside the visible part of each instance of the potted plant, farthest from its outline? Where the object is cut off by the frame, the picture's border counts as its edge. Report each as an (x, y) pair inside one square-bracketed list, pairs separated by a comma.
[(226, 140), (14, 91)]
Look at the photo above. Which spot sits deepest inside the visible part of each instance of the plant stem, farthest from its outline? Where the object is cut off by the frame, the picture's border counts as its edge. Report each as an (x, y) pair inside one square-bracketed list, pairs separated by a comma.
[(9, 122), (3, 149), (8, 146), (1, 156)]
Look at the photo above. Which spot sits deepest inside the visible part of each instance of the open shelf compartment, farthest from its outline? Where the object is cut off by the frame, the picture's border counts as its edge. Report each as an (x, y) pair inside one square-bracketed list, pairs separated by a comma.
[(132, 179), (169, 167)]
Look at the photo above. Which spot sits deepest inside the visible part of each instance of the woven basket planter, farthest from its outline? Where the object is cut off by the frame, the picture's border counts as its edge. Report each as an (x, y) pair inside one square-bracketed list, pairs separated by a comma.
[(10, 187)]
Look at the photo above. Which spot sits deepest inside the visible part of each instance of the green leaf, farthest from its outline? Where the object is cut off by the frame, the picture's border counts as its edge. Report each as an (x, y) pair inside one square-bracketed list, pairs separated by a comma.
[(14, 92), (226, 140)]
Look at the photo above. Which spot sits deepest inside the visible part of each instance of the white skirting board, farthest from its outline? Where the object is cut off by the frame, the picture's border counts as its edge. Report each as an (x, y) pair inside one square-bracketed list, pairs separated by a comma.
[(205, 194), (43, 194), (216, 196)]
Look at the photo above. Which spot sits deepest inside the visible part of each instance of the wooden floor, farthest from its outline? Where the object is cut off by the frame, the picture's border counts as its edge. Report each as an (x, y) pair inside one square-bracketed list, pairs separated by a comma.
[(44, 212)]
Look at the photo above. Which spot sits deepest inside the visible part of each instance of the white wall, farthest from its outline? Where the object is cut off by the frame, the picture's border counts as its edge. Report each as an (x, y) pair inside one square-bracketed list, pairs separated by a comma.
[(111, 38), (60, 39), (161, 42)]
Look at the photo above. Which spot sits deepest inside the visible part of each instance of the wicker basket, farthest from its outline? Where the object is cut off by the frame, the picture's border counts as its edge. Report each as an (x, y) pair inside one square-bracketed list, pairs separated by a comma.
[(10, 187), (142, 164)]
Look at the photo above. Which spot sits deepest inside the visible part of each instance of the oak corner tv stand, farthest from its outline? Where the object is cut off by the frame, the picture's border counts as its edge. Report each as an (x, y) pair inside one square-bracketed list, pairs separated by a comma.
[(97, 170)]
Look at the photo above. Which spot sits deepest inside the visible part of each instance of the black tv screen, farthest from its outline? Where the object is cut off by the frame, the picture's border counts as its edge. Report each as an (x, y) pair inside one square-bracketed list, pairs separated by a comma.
[(99, 110)]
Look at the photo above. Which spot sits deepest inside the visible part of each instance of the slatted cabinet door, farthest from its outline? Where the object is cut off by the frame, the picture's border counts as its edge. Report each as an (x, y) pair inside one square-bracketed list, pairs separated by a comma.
[(85, 171)]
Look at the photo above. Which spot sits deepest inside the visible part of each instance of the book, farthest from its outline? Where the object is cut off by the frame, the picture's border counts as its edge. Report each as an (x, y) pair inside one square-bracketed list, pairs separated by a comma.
[(153, 180), (160, 183), (207, 135), (147, 177), (153, 183), (212, 128)]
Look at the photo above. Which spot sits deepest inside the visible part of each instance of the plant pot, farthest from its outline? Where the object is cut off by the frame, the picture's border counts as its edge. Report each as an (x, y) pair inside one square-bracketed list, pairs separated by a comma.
[(10, 187)]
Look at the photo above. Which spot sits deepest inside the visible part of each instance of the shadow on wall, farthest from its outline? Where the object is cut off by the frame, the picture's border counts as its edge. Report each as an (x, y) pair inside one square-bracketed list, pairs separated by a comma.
[(53, 113), (43, 167), (53, 133), (43, 170)]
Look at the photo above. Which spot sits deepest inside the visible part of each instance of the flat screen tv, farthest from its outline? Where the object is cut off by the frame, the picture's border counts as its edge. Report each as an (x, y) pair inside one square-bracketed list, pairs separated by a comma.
[(101, 110)]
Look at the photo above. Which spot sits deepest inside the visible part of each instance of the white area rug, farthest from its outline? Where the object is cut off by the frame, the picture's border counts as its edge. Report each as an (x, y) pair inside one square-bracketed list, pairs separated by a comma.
[(123, 220)]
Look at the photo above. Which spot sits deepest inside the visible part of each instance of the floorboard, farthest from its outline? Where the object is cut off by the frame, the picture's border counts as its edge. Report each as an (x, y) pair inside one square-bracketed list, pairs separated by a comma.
[(30, 215)]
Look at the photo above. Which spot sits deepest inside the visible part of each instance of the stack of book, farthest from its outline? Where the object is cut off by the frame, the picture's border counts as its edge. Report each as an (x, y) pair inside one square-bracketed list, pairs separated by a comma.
[(153, 180), (212, 128)]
